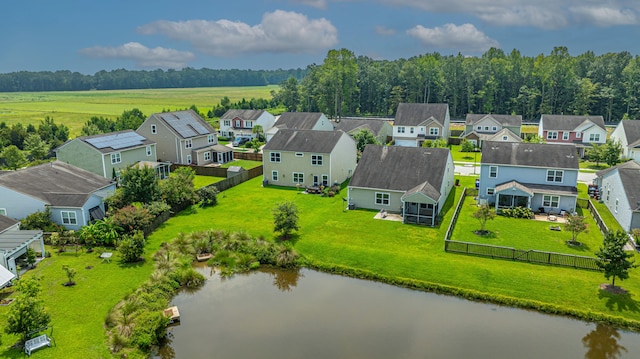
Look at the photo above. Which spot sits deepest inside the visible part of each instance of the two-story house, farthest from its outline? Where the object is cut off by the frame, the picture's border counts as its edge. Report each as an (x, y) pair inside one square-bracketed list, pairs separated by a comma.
[(316, 121), (241, 123), (492, 127), (627, 133), (542, 177), (381, 129), (109, 153), (581, 131), (416, 122), (620, 191), (414, 182), (183, 137), (308, 158), (75, 196)]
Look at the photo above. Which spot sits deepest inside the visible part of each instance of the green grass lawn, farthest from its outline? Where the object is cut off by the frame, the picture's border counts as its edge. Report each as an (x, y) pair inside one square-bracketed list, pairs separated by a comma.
[(203, 181), (329, 235), (74, 108), (246, 164), (459, 156)]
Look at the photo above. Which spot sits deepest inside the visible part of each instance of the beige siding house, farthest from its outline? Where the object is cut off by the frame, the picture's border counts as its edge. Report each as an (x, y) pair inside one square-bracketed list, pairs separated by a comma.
[(308, 158)]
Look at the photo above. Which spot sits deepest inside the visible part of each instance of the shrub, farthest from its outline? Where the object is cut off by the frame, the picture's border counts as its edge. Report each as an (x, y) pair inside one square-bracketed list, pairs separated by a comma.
[(130, 219), (132, 247), (40, 220), (518, 212), (157, 208)]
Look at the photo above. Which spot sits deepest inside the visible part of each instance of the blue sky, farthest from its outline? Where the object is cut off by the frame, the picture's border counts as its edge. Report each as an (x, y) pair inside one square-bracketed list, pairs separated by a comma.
[(89, 36)]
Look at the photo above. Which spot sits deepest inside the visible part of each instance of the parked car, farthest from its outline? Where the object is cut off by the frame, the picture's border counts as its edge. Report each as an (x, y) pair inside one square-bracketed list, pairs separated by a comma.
[(239, 141)]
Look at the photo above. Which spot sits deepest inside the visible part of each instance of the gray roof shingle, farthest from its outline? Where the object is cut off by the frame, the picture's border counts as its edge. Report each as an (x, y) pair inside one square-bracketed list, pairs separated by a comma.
[(530, 154), (504, 120), (373, 125), (630, 177), (115, 141), (632, 132), (6, 223), (298, 120), (187, 124), (304, 141), (568, 122), (412, 114), (246, 115), (401, 168), (55, 183)]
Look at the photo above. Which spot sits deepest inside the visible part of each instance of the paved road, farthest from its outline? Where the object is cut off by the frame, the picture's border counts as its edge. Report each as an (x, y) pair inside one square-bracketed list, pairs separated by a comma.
[(469, 170)]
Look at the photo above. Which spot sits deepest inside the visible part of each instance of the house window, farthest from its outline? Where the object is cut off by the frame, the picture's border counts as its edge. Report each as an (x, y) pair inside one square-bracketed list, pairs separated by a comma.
[(227, 123), (565, 136), (550, 201), (248, 124), (400, 129), (474, 142), (616, 208), (188, 144), (211, 138), (274, 175), (410, 129), (493, 171), (479, 128), (578, 134), (299, 154), (154, 130), (594, 137), (316, 160), (207, 156), (504, 138), (69, 217), (494, 128), (382, 198), (491, 191), (486, 128), (434, 131), (554, 175), (274, 157), (238, 123), (552, 135), (149, 152), (3, 211), (189, 159), (116, 158), (298, 177), (325, 180)]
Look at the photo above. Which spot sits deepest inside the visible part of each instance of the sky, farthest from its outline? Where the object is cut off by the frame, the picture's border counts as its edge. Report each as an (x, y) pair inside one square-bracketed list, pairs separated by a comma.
[(90, 36)]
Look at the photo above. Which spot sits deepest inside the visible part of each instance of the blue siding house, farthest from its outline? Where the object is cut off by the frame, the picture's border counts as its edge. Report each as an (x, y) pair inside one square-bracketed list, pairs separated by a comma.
[(542, 177)]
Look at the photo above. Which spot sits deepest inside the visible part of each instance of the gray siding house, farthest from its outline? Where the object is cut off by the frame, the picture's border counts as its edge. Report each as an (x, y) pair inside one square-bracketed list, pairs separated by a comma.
[(300, 121), (382, 130), (627, 133), (308, 158), (107, 154), (416, 122), (14, 244), (532, 175), (491, 127), (620, 191), (412, 181), (74, 195)]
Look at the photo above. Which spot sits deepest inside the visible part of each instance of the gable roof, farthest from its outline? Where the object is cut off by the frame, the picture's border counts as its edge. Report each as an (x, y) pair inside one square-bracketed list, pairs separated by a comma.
[(304, 141), (298, 120), (400, 168), (530, 154), (630, 177), (413, 114), (6, 223), (504, 120), (55, 183), (494, 136), (186, 124), (629, 164), (347, 125), (568, 122), (631, 132), (246, 115), (113, 141)]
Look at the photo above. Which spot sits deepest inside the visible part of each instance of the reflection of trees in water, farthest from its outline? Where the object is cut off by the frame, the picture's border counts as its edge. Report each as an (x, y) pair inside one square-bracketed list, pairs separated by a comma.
[(166, 350), (284, 279), (602, 343)]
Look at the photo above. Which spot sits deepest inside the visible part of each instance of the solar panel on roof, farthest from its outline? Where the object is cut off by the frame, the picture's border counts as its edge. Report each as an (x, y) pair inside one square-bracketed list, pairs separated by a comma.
[(116, 141), (185, 124)]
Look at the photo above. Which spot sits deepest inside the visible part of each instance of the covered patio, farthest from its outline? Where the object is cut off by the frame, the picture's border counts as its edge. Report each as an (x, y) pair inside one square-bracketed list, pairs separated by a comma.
[(14, 244), (420, 205), (545, 199)]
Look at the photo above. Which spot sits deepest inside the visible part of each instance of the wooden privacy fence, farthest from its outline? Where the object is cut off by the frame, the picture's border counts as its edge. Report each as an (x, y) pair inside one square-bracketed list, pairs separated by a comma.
[(251, 156), (225, 184), (530, 256)]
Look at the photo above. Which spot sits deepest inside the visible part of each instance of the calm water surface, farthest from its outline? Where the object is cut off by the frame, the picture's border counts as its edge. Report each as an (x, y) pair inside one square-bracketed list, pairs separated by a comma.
[(308, 314)]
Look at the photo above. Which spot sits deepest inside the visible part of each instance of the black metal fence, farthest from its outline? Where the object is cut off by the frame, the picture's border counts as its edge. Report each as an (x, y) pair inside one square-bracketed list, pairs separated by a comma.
[(530, 256), (447, 236)]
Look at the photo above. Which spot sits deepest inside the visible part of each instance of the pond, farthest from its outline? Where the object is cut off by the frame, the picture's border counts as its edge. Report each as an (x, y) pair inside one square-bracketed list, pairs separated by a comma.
[(309, 314)]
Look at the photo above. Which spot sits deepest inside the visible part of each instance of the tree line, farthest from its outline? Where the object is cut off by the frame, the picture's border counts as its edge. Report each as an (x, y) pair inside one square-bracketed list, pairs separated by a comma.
[(496, 82), (121, 79)]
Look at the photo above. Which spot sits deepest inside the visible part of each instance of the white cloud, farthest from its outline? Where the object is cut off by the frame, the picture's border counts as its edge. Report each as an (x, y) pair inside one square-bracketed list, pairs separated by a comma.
[(464, 38), (279, 32), (604, 16), (546, 14), (320, 4), (385, 31), (158, 57)]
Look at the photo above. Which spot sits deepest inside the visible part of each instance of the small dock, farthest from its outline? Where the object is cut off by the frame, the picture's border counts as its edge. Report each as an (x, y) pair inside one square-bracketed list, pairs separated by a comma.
[(204, 257), (173, 313)]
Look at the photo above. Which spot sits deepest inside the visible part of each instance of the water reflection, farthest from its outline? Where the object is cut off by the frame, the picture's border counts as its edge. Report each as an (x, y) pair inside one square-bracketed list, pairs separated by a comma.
[(602, 343), (284, 280)]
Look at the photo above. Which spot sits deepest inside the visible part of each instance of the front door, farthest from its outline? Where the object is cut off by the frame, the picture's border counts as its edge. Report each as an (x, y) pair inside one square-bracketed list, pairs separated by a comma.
[(316, 180)]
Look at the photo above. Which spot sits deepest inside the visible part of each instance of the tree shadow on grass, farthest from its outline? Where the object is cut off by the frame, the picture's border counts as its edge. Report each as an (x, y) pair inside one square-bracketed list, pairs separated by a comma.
[(291, 238), (578, 246), (135, 264), (619, 302), (484, 234), (13, 353)]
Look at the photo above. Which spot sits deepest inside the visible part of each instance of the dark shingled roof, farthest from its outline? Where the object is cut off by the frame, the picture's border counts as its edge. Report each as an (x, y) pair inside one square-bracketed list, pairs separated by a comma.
[(413, 114), (55, 183), (400, 168), (530, 154), (298, 120), (103, 142), (505, 120), (246, 115), (630, 177), (6, 223), (373, 125), (304, 141), (186, 124), (632, 132), (567, 122)]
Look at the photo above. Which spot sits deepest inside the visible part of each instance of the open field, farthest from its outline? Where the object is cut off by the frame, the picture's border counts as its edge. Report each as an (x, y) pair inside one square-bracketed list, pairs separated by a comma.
[(74, 108)]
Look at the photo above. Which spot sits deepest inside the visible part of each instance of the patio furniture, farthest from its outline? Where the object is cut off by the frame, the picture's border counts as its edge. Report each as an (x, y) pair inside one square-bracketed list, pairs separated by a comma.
[(555, 228), (552, 218), (106, 257), (36, 343)]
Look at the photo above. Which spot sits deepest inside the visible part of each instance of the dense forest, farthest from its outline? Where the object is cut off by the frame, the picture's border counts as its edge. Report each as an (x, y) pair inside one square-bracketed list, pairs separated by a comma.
[(348, 85), (121, 79)]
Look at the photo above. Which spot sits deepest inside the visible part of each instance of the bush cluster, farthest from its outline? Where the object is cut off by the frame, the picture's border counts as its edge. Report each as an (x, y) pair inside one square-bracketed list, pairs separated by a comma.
[(518, 212)]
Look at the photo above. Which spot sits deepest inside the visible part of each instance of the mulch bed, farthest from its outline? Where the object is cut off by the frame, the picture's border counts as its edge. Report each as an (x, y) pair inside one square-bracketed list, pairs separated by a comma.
[(612, 289)]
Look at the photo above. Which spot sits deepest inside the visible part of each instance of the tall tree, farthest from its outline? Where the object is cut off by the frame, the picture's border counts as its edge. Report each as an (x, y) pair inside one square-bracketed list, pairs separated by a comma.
[(13, 158), (363, 138), (612, 257), (35, 147), (338, 80), (140, 185), (27, 312), (285, 218)]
